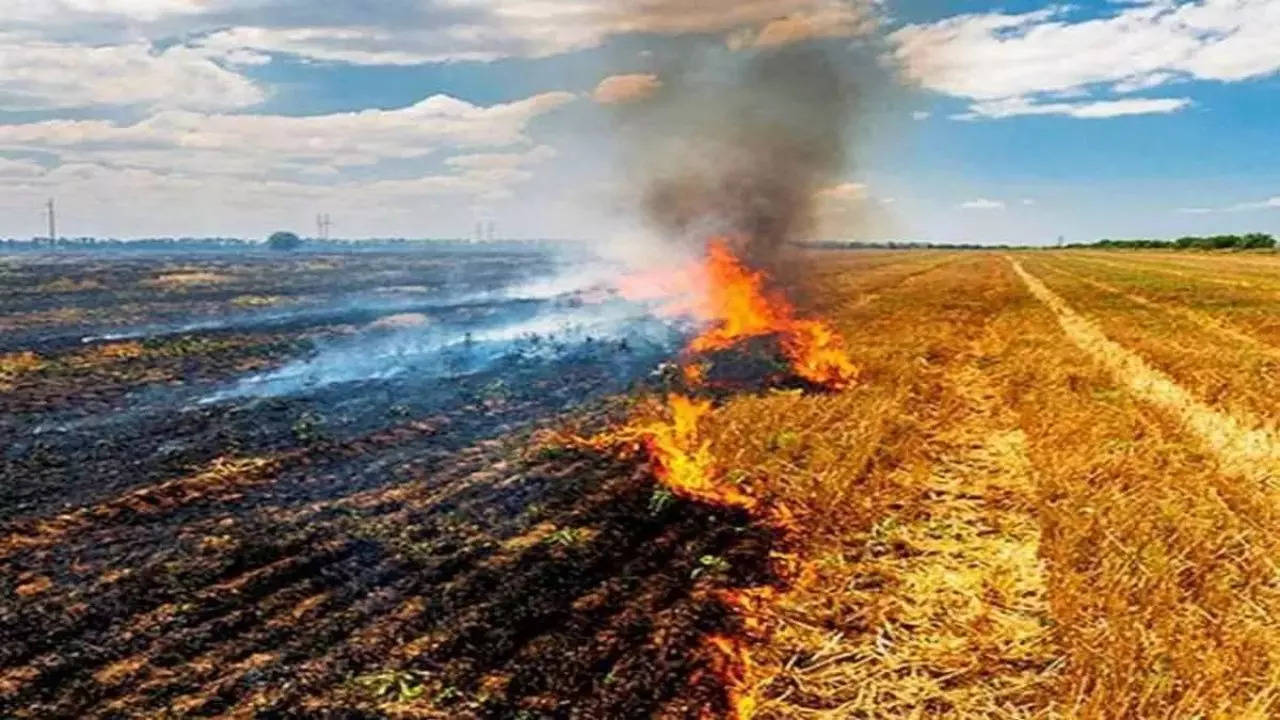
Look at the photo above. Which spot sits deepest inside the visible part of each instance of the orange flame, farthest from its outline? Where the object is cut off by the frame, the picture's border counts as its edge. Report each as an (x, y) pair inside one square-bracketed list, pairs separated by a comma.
[(682, 459), (737, 305), (694, 374), (732, 663)]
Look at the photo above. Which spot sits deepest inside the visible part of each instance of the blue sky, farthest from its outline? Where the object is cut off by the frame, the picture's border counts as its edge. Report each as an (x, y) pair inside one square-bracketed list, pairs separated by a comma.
[(983, 122)]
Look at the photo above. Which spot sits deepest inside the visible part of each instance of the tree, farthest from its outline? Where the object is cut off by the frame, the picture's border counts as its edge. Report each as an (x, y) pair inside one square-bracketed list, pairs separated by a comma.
[(1250, 241), (1259, 240), (284, 241)]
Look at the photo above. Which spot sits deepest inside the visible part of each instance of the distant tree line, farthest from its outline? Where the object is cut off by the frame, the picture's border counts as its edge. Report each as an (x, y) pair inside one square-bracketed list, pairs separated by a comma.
[(141, 244), (1248, 241), (284, 241), (903, 245)]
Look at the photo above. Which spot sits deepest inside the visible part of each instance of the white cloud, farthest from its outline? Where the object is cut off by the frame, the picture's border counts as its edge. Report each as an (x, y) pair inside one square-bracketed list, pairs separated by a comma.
[(177, 80), (82, 53), (487, 30), (1028, 201), (996, 57), (1268, 204), (231, 167), (10, 168), (43, 75), (68, 12), (1011, 107), (1143, 82), (622, 89), (245, 58), (254, 144), (90, 200), (493, 161), (920, 115), (981, 204), (493, 175), (357, 45)]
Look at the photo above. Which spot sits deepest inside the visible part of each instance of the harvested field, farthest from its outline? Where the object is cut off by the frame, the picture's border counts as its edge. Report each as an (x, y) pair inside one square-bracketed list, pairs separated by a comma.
[(361, 486)]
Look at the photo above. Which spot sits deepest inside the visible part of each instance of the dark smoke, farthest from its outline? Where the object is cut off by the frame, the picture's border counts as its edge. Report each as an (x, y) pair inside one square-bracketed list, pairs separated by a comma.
[(741, 148)]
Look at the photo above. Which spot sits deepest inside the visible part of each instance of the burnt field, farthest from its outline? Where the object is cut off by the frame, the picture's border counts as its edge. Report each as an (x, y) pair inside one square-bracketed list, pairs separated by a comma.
[(314, 486), (979, 485)]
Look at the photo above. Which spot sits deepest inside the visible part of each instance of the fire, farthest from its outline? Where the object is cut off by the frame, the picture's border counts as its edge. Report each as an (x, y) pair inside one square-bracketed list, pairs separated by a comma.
[(733, 664), (694, 374), (735, 304), (682, 459), (817, 355)]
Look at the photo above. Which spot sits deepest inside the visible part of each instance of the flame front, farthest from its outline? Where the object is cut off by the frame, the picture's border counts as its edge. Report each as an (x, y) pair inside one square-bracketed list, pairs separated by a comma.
[(682, 459), (738, 306), (733, 665), (735, 304)]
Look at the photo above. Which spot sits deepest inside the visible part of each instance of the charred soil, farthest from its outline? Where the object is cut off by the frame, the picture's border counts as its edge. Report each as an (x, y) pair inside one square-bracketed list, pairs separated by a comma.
[(390, 547)]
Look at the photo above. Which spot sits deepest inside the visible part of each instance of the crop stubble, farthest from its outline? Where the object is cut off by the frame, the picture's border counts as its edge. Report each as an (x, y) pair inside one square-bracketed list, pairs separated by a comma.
[(1050, 494)]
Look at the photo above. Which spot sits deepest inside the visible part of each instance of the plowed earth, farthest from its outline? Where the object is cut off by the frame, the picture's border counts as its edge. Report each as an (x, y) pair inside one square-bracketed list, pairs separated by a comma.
[(383, 548)]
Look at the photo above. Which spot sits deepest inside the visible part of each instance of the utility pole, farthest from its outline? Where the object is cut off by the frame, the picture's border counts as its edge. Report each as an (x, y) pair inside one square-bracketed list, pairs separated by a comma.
[(53, 223), (323, 223)]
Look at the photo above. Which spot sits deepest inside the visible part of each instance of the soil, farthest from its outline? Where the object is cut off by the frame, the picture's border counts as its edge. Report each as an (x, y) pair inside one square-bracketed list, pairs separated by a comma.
[(386, 547)]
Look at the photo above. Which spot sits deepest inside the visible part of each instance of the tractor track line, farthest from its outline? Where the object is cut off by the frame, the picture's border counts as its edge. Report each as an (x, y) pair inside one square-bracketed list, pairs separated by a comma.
[(1156, 267), (1242, 271), (1252, 454), (1200, 319)]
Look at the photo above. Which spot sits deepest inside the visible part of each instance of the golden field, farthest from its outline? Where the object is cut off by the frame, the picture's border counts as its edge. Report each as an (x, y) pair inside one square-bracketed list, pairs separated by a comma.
[(1050, 494)]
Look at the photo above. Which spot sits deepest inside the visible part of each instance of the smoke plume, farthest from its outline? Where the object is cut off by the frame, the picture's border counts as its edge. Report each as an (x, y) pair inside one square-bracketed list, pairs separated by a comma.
[(741, 146)]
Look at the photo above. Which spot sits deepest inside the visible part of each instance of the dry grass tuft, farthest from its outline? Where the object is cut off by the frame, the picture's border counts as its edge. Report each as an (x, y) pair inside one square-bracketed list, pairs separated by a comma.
[(15, 365), (253, 301), (109, 352), (187, 278), (70, 285)]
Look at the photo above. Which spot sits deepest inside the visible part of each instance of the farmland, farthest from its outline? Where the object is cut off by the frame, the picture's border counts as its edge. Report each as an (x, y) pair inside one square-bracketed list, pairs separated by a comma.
[(1049, 491)]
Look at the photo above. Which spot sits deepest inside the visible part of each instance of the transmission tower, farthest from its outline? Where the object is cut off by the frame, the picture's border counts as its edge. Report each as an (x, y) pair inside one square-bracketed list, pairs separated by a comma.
[(53, 223), (323, 225)]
